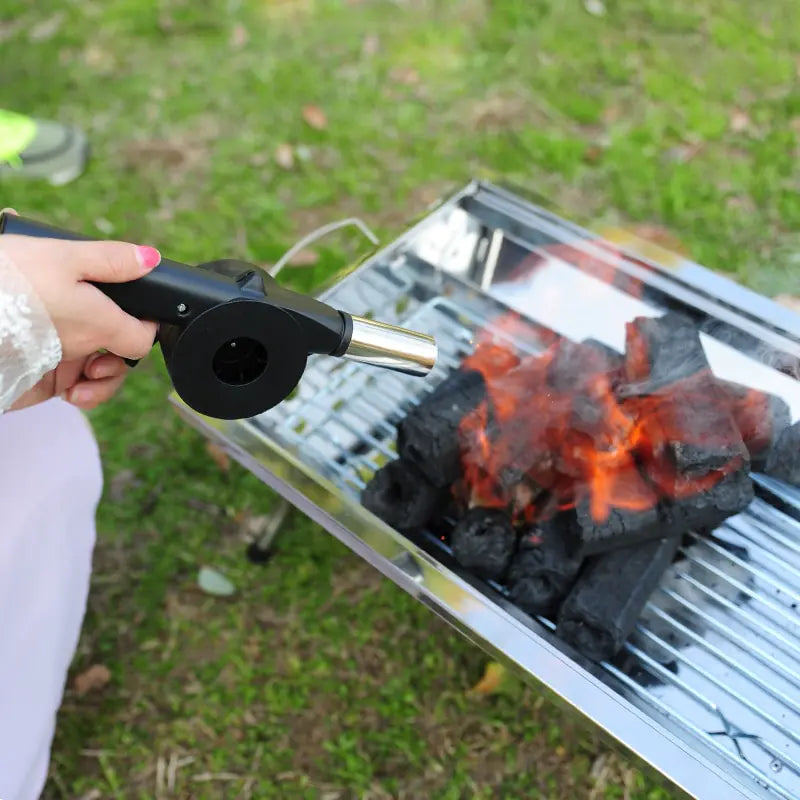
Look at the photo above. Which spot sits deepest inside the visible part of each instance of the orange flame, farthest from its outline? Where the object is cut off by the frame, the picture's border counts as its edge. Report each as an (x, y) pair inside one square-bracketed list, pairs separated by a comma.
[(563, 433)]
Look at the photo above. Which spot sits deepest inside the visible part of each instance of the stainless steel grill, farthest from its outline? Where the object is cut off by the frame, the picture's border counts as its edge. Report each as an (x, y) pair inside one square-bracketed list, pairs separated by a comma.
[(708, 688)]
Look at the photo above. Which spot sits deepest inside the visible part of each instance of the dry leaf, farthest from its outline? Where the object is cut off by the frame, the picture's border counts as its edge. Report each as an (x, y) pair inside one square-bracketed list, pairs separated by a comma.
[(658, 235), (120, 484), (221, 458), (597, 8), (93, 679), (406, 75), (739, 120), (96, 57), (284, 156), (685, 152), (491, 681), (47, 28), (304, 258), (790, 301), (239, 36), (593, 153), (315, 117), (370, 45)]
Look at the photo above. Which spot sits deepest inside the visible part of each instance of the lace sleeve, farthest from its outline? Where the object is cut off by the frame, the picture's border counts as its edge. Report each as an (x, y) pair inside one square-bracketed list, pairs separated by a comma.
[(29, 343)]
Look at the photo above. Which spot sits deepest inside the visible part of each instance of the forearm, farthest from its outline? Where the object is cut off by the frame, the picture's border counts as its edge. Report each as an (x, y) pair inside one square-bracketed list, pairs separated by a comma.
[(29, 344)]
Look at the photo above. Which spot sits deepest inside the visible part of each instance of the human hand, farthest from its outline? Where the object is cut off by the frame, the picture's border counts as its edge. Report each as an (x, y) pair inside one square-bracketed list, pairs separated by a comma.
[(84, 318), (84, 382)]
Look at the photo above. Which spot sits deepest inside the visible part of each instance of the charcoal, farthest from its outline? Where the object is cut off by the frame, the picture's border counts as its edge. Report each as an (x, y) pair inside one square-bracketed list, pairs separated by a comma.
[(573, 363), (402, 497), (586, 536), (613, 358), (605, 602), (542, 570), (428, 435), (671, 388), (760, 417), (709, 508), (672, 349), (784, 460), (483, 541)]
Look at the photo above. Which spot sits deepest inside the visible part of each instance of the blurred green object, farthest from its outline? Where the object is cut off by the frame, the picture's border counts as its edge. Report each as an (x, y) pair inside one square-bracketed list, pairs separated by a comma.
[(40, 149)]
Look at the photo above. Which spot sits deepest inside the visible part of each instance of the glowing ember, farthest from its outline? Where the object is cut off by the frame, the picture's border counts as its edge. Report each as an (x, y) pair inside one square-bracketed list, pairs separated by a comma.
[(557, 430)]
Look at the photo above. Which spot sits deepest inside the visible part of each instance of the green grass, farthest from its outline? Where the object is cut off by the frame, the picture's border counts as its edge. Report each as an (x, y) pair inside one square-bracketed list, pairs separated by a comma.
[(319, 679)]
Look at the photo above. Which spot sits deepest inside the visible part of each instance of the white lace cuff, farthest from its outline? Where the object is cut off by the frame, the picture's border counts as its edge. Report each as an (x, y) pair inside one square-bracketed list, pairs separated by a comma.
[(29, 343)]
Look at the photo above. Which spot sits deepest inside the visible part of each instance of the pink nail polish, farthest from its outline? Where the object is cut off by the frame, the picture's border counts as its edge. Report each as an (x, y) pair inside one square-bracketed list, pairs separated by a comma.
[(147, 256)]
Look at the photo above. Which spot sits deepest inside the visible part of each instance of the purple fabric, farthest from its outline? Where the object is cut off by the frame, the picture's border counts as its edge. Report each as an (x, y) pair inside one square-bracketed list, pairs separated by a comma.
[(50, 484)]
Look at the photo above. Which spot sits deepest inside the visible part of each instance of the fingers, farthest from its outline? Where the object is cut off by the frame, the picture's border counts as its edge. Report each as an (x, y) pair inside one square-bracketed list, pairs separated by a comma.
[(108, 262), (114, 330), (104, 375), (9, 211), (87, 395), (104, 365)]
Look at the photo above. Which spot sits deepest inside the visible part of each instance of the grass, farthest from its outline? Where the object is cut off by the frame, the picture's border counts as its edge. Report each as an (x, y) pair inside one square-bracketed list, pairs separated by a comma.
[(319, 679)]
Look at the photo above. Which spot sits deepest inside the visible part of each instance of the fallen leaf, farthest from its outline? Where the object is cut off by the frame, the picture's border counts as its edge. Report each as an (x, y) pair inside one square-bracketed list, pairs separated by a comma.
[(220, 457), (370, 45), (96, 57), (284, 156), (658, 235), (47, 28), (104, 225), (239, 36), (304, 258), (93, 679), (739, 120), (498, 112), (8, 29), (593, 153), (491, 681), (597, 8), (685, 152), (315, 117), (120, 483), (789, 301), (405, 75), (214, 583)]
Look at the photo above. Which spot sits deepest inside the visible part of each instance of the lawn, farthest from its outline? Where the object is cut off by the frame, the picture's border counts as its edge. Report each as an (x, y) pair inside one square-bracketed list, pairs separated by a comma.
[(230, 129)]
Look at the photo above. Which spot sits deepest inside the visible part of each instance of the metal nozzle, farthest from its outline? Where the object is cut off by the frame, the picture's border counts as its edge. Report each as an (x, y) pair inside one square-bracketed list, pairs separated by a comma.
[(391, 347)]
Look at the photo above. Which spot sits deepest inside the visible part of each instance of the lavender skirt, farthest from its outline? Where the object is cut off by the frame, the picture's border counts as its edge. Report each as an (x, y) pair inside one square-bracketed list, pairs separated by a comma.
[(50, 484)]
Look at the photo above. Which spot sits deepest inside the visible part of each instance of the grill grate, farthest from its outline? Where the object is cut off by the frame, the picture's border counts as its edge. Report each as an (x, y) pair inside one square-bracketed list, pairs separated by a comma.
[(718, 646)]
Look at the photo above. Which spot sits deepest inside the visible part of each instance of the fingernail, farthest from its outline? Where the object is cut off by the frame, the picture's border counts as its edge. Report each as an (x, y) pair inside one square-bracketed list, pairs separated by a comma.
[(77, 395), (147, 256)]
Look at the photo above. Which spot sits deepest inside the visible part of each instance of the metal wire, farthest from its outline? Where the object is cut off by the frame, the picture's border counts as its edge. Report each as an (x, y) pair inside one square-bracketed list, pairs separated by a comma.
[(319, 233)]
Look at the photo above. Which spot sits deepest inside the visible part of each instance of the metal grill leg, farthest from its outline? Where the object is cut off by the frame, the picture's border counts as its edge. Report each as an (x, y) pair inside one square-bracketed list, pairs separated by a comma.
[(261, 550)]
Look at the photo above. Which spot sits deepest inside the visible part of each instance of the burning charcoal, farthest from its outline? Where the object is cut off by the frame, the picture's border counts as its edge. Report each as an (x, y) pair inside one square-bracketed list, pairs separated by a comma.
[(622, 527), (483, 541), (784, 460), (760, 417), (663, 350), (428, 436), (574, 364), (686, 425), (614, 360), (602, 609), (402, 497), (542, 571), (710, 507)]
